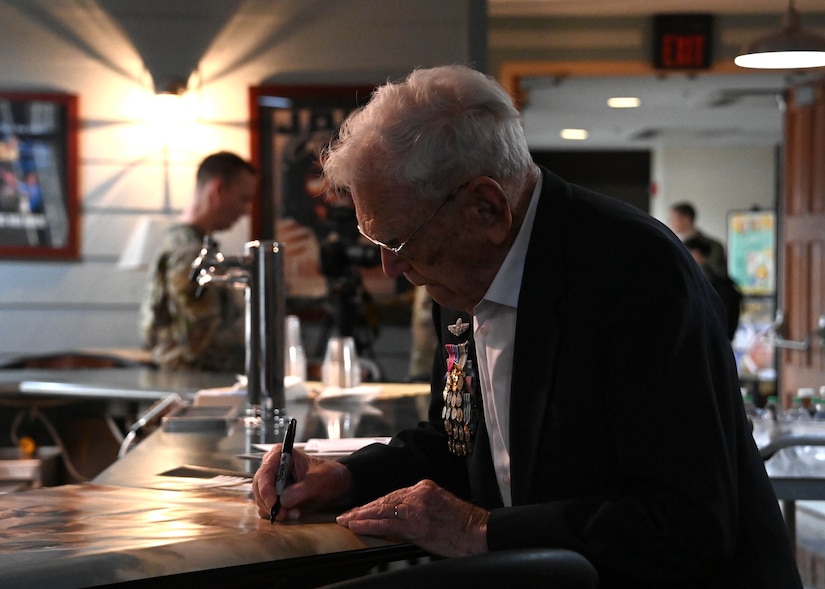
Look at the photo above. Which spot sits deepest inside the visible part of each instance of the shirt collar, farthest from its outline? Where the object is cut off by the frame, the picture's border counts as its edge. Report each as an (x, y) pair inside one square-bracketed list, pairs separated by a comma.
[(506, 286)]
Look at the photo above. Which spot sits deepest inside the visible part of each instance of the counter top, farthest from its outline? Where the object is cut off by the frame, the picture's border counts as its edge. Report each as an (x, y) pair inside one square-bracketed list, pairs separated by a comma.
[(148, 516), (135, 523), (91, 535)]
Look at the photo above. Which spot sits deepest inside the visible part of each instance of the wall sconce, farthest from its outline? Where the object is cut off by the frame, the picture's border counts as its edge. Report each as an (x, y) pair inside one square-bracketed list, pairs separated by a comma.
[(167, 103), (173, 87), (791, 48)]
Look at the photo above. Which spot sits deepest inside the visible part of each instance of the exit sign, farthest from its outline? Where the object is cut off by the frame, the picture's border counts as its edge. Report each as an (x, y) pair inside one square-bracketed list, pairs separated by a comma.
[(682, 41)]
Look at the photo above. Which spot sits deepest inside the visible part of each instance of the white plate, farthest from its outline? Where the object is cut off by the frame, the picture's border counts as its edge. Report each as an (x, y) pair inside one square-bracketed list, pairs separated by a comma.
[(361, 394), (295, 389)]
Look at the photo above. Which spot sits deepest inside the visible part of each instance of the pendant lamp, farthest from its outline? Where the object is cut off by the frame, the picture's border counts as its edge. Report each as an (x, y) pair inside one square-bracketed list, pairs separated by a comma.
[(791, 48)]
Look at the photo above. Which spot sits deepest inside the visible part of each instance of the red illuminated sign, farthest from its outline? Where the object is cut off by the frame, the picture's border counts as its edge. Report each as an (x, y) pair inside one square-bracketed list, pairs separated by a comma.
[(682, 41)]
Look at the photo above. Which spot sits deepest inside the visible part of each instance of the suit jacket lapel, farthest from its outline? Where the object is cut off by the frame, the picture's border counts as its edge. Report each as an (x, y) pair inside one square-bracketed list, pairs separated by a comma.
[(537, 337)]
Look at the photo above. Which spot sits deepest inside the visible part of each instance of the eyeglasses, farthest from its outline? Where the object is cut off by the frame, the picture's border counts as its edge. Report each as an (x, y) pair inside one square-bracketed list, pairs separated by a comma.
[(396, 249)]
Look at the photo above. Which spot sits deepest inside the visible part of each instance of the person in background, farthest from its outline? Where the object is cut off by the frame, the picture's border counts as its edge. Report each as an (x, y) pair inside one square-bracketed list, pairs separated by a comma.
[(423, 338), (681, 219), (583, 394), (203, 331), (723, 284)]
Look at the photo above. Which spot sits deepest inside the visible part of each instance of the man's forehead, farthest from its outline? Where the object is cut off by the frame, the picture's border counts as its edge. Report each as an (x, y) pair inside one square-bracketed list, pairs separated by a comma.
[(377, 205)]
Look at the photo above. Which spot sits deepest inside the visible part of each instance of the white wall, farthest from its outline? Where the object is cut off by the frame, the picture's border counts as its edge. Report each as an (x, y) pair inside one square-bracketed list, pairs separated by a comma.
[(130, 165), (715, 180)]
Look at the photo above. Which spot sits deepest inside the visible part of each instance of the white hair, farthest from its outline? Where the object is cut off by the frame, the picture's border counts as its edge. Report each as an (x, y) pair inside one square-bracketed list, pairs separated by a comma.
[(436, 129)]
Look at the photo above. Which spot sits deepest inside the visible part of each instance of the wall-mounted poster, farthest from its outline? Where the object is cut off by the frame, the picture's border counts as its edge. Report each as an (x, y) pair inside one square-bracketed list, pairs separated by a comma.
[(752, 251), (38, 176)]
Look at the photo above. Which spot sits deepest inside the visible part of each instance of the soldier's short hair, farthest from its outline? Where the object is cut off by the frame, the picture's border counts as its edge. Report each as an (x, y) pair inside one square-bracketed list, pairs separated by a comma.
[(224, 165)]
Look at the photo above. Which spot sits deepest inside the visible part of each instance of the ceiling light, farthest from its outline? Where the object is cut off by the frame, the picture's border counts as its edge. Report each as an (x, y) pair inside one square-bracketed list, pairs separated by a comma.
[(574, 134), (172, 87), (623, 102), (791, 48)]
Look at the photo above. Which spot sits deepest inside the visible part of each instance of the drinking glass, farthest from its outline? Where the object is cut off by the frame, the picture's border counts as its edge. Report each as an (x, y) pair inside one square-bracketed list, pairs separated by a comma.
[(295, 361), (341, 367)]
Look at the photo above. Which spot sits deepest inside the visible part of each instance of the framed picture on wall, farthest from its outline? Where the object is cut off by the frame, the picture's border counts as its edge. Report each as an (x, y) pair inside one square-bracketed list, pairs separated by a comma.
[(752, 251), (38, 176)]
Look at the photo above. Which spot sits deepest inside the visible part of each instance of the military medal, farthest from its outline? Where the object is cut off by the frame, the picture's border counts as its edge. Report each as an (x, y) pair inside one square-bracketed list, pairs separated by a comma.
[(459, 327), (460, 413)]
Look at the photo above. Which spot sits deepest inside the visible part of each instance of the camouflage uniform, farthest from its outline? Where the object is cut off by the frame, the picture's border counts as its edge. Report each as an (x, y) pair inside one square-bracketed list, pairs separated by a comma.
[(183, 332), (424, 339)]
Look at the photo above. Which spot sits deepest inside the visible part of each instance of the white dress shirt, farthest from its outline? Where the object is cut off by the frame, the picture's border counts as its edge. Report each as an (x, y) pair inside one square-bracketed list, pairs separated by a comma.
[(494, 331)]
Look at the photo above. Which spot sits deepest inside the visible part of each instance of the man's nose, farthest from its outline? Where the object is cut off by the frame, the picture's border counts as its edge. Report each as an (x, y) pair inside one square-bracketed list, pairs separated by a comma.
[(392, 264)]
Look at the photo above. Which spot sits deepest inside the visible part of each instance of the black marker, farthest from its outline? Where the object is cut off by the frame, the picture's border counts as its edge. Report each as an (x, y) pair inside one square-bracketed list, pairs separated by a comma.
[(283, 468)]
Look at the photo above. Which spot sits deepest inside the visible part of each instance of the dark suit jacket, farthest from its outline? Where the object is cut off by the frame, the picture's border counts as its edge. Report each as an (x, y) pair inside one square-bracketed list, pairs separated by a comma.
[(628, 438)]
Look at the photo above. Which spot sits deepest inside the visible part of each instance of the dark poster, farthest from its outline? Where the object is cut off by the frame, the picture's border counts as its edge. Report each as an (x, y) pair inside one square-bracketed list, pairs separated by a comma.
[(38, 200)]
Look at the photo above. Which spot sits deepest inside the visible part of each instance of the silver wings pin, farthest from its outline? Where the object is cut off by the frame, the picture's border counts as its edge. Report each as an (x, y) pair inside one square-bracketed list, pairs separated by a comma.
[(459, 327)]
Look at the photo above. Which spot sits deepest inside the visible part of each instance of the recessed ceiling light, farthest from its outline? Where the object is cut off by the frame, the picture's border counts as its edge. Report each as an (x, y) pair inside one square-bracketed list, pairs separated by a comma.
[(623, 102), (574, 134)]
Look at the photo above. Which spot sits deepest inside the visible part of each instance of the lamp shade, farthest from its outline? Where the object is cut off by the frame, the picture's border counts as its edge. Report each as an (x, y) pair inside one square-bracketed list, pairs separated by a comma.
[(791, 48)]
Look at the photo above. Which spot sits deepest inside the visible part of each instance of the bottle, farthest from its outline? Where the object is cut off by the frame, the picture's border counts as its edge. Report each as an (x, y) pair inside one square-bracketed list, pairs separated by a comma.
[(751, 410), (807, 397), (812, 458), (760, 427), (773, 410), (798, 413), (295, 358), (818, 404)]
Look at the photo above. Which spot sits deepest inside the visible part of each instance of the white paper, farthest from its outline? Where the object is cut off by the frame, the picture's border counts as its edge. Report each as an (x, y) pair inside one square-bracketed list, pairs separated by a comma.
[(363, 393), (327, 446)]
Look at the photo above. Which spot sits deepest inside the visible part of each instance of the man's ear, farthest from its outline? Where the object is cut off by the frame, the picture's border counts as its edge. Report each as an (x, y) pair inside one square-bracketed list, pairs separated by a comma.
[(214, 188), (491, 209)]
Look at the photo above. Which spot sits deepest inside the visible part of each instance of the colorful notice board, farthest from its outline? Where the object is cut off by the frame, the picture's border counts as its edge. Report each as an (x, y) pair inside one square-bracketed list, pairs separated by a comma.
[(752, 251)]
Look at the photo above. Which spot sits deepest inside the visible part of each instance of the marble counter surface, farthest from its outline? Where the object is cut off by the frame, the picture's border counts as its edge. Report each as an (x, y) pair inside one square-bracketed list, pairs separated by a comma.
[(91, 535), (137, 524)]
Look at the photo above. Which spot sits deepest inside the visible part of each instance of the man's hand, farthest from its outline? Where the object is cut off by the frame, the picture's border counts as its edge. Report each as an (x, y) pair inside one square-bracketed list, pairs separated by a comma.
[(425, 515), (315, 484)]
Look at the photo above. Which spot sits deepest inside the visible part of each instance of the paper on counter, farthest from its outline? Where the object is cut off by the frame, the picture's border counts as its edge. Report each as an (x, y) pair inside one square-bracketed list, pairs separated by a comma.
[(294, 390), (190, 477), (362, 394), (327, 447), (347, 445), (240, 484)]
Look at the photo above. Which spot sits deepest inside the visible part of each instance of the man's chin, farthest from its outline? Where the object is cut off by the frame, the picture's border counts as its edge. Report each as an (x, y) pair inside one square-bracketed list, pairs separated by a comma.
[(445, 298)]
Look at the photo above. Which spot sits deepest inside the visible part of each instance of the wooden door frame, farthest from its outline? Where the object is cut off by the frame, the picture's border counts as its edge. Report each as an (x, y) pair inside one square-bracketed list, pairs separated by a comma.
[(802, 247)]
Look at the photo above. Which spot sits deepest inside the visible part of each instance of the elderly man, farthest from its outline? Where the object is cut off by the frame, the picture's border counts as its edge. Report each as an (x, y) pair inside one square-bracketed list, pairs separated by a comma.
[(585, 395), (206, 332)]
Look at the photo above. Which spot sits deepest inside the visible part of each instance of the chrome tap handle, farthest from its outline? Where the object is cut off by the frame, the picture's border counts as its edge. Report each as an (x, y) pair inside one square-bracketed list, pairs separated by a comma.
[(205, 265)]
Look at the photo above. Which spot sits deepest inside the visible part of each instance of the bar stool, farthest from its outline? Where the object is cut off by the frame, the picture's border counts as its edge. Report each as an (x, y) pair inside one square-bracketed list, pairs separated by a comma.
[(536, 567)]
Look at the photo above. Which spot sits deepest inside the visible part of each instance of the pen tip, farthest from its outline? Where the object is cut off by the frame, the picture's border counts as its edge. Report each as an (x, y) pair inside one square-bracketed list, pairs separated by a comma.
[(273, 513)]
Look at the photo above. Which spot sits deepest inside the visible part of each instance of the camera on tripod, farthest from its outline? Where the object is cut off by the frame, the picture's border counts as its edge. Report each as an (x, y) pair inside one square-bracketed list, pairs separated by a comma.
[(350, 308), (341, 254)]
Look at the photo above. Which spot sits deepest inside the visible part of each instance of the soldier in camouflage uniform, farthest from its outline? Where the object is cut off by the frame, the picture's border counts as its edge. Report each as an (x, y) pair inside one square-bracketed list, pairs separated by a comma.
[(207, 332)]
